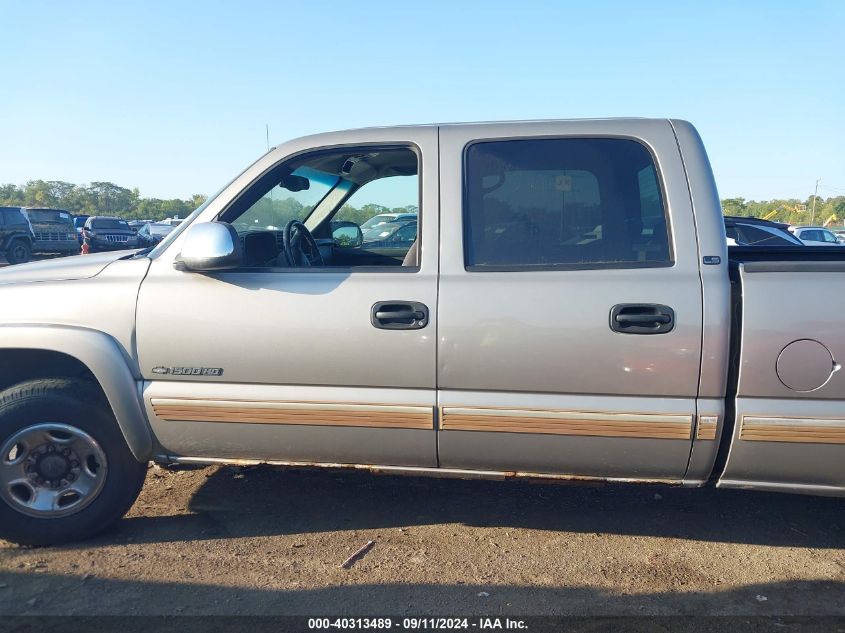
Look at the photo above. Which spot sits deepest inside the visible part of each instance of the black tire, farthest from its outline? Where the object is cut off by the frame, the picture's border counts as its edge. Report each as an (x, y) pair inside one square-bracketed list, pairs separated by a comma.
[(79, 404), (19, 252)]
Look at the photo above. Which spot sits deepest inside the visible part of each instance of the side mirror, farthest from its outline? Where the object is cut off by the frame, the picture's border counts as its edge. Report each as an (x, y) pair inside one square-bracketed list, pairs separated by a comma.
[(347, 235), (210, 246)]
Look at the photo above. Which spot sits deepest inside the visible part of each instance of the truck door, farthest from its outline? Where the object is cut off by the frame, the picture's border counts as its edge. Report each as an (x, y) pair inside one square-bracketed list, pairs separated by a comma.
[(570, 316), (277, 361)]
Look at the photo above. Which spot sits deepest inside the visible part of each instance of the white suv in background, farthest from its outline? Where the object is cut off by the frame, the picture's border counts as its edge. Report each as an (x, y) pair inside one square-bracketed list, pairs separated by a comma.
[(816, 236), (386, 218)]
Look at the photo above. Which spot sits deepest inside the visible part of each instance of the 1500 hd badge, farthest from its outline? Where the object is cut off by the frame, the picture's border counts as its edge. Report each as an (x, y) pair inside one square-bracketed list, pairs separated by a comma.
[(189, 371)]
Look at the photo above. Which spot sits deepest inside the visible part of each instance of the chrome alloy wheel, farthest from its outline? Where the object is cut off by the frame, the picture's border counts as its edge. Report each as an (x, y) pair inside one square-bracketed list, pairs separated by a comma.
[(51, 470)]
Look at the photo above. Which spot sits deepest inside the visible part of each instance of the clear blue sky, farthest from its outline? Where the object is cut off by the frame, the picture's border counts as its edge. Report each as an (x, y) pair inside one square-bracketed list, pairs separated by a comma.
[(172, 97)]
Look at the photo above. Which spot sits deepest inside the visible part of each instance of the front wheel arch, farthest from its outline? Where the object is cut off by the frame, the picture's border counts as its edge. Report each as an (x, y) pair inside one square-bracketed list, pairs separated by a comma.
[(83, 353)]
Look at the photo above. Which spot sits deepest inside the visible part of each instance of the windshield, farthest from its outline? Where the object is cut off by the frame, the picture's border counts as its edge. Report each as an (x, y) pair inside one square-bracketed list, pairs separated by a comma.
[(109, 223), (161, 229), (49, 215)]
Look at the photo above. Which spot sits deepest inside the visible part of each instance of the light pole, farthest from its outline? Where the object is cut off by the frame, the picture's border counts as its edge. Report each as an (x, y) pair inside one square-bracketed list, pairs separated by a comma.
[(815, 195)]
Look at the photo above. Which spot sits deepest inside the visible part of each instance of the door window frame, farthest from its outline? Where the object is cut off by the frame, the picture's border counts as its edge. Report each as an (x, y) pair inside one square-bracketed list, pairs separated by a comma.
[(334, 149)]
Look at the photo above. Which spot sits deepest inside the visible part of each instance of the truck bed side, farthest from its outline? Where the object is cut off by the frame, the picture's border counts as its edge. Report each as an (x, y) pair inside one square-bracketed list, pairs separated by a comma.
[(788, 427)]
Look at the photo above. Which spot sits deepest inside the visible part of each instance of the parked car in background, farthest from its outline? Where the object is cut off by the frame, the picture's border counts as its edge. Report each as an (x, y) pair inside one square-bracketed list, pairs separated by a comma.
[(384, 218), (79, 224), (393, 239), (173, 221), (137, 225), (107, 234), (747, 231), (53, 231), (153, 232), (15, 235), (816, 236)]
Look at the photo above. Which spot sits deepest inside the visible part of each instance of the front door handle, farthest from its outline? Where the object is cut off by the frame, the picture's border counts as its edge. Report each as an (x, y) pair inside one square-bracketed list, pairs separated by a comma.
[(642, 318), (399, 315)]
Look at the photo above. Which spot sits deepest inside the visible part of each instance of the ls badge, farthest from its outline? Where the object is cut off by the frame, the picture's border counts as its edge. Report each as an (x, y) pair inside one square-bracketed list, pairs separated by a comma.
[(189, 371)]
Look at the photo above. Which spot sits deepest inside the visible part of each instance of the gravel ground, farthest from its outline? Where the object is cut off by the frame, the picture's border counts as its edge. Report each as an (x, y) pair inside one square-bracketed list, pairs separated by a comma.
[(263, 541)]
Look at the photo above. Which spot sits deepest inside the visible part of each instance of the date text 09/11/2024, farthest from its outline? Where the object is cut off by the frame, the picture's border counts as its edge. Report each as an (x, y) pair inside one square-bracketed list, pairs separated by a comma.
[(415, 624)]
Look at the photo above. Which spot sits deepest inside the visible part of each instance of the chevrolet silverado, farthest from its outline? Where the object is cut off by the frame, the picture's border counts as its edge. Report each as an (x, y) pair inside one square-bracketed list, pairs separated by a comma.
[(569, 310)]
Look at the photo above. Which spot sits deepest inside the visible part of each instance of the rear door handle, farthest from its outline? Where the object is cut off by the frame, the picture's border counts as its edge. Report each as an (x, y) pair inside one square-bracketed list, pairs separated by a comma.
[(642, 318), (399, 315)]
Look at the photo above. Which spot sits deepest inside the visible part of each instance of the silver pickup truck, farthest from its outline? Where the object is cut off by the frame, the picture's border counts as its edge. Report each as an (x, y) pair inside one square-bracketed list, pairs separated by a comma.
[(564, 308)]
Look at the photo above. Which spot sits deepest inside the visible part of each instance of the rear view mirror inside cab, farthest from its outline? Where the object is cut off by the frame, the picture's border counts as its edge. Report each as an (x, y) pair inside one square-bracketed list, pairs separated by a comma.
[(295, 183)]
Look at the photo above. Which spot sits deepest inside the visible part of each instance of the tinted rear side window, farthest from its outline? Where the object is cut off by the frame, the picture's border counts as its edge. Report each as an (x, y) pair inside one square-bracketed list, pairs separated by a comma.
[(754, 236), (563, 203), (12, 216)]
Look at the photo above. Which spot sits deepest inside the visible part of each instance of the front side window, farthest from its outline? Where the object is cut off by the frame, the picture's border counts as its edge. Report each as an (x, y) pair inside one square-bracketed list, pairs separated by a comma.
[(563, 203), (393, 198), (321, 209)]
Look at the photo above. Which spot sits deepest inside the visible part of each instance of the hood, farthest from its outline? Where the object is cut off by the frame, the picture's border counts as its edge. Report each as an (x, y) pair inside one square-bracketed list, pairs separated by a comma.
[(61, 268)]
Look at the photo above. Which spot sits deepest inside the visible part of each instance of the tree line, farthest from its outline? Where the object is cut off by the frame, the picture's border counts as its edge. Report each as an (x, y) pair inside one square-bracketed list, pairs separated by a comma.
[(829, 211), (96, 198), (106, 198)]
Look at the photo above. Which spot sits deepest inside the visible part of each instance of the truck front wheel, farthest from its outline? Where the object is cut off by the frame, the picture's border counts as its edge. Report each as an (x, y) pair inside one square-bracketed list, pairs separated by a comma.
[(66, 472), (19, 252)]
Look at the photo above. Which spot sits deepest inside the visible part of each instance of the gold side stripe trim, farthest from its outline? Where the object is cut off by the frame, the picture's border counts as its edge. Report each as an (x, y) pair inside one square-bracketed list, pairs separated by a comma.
[(572, 415), (288, 406), (707, 427), (755, 421), (653, 426), (799, 430), (294, 413)]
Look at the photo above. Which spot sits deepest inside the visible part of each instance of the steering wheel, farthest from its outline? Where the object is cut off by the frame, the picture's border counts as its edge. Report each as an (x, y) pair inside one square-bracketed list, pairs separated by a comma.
[(301, 249)]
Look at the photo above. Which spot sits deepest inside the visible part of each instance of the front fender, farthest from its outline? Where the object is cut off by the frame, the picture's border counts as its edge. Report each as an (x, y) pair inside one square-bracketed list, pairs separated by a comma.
[(105, 359)]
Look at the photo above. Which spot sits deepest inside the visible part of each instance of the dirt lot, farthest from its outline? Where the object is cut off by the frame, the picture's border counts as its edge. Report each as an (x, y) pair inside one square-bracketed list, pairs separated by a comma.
[(266, 541)]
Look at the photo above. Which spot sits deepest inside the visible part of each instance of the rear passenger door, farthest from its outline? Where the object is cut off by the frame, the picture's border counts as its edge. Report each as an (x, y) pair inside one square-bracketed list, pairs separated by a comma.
[(570, 313)]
